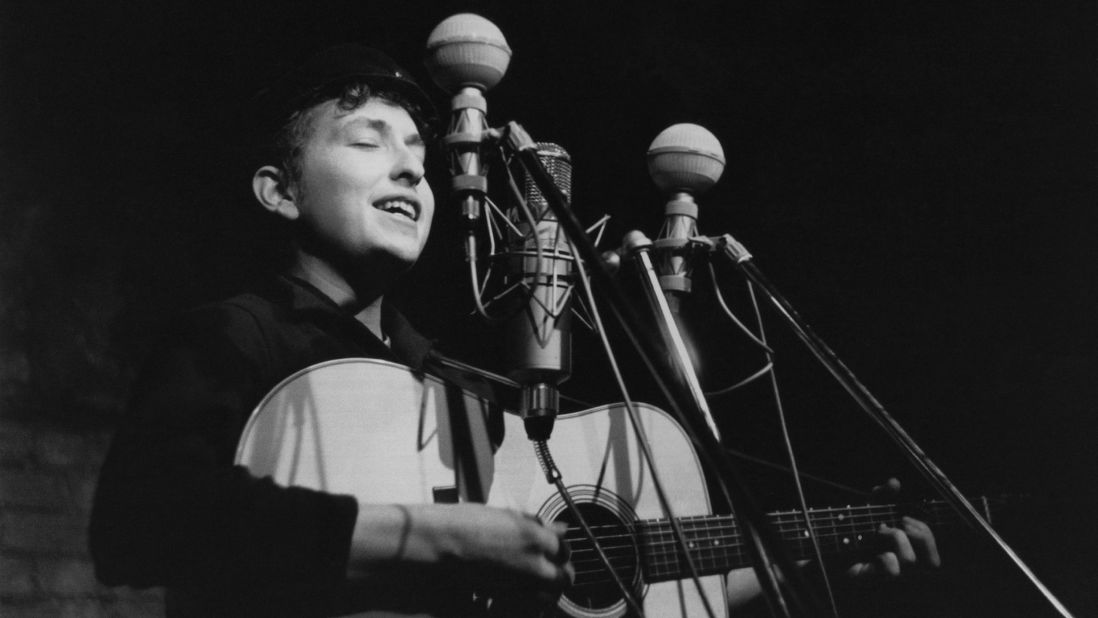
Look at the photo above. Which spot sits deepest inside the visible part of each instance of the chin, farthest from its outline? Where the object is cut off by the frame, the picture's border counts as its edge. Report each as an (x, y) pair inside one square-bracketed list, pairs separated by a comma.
[(397, 261)]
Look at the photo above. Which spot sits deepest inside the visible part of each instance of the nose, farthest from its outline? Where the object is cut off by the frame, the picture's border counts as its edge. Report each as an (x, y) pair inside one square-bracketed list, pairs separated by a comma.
[(408, 167)]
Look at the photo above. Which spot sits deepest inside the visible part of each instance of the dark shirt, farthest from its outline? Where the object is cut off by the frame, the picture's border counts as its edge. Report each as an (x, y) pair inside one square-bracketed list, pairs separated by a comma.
[(173, 510)]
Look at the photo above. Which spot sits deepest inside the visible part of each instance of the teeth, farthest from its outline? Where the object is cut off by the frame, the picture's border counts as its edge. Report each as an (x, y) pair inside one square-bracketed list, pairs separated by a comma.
[(401, 207)]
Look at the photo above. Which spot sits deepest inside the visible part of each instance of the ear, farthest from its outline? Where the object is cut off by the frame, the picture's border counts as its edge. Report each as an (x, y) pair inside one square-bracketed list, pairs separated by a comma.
[(273, 192)]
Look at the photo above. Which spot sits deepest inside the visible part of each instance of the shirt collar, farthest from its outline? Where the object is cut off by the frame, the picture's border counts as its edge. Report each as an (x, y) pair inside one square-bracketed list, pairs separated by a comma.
[(407, 345)]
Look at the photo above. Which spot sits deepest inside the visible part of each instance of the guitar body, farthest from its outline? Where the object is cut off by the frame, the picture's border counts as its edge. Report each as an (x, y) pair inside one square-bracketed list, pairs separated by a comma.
[(384, 434)]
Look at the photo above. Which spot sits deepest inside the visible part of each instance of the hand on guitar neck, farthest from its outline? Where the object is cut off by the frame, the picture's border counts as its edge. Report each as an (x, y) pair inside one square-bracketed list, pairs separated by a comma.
[(908, 544), (417, 547), (901, 546)]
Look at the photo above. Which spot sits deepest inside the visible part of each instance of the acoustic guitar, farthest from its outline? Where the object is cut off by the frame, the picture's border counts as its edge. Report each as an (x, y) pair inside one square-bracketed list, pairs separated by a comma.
[(385, 434)]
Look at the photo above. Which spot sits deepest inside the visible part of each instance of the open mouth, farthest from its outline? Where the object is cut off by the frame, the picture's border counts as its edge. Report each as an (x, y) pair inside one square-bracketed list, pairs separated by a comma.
[(399, 207)]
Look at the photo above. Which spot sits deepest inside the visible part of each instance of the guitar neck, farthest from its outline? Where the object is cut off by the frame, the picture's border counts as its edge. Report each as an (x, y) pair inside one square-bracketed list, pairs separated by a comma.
[(717, 546)]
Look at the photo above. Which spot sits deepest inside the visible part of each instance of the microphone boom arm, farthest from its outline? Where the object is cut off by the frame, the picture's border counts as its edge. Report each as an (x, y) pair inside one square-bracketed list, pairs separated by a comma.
[(639, 246), (763, 545), (738, 254)]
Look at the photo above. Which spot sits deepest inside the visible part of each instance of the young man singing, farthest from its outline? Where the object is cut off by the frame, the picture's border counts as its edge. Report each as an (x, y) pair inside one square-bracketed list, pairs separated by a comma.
[(346, 172)]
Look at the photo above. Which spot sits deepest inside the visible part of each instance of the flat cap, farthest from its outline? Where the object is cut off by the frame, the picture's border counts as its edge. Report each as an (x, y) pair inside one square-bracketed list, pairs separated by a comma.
[(332, 67)]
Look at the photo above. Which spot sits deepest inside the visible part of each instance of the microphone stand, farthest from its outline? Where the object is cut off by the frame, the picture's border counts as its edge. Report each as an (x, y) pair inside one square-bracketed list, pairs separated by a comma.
[(738, 255), (763, 544), (639, 247)]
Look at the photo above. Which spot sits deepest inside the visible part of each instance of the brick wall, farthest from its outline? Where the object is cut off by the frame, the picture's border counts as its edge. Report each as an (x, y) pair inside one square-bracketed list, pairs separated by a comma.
[(62, 379), (47, 480)]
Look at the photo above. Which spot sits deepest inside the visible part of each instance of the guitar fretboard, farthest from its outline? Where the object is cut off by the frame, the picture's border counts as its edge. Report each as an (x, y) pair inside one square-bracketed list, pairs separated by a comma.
[(717, 546)]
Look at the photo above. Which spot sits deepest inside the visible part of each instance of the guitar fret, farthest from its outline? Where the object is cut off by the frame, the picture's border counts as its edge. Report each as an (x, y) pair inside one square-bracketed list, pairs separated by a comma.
[(708, 538), (646, 550), (715, 544)]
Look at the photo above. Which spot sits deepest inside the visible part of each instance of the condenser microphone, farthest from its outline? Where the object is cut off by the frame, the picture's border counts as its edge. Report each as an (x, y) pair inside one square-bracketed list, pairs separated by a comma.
[(466, 56), (539, 333), (684, 160)]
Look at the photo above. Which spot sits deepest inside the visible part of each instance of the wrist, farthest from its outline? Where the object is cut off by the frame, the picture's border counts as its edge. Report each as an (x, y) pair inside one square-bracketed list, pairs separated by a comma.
[(382, 534)]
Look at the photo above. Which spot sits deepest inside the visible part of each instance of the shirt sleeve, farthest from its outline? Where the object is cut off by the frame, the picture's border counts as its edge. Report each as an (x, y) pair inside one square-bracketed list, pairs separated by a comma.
[(172, 509)]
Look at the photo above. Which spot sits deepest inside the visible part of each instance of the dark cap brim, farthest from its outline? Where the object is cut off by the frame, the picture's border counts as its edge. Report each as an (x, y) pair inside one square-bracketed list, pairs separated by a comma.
[(334, 67)]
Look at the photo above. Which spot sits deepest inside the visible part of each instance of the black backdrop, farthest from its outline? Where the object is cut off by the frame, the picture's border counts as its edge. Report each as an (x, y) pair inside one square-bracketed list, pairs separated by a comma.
[(919, 178)]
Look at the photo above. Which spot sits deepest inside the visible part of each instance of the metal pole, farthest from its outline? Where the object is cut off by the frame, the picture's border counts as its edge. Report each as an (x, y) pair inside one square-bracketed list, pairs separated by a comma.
[(739, 255)]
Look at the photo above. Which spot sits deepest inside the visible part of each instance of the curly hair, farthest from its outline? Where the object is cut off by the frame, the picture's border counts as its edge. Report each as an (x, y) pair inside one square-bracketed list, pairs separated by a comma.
[(290, 138)]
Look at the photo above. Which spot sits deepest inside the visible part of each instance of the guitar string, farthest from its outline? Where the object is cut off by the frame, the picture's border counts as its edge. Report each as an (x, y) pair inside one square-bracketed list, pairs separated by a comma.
[(669, 563), (713, 545), (657, 552), (845, 520), (669, 566), (658, 570), (639, 432), (661, 565), (657, 539), (839, 518), (936, 509), (655, 562)]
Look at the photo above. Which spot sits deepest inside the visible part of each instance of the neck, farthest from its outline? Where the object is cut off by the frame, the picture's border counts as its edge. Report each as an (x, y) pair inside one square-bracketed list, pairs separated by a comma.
[(362, 300)]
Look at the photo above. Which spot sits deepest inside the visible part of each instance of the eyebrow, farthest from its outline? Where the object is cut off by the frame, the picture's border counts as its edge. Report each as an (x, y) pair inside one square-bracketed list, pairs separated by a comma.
[(414, 139)]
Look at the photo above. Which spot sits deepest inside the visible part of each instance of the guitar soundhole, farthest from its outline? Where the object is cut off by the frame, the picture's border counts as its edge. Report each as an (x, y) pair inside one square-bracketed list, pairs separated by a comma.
[(594, 589)]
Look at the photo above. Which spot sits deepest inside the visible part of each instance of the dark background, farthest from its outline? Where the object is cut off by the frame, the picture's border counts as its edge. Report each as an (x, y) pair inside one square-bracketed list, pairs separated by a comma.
[(918, 178)]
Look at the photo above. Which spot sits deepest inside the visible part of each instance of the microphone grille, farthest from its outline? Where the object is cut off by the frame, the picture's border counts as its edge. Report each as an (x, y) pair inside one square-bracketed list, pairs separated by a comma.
[(467, 50), (685, 157), (559, 165)]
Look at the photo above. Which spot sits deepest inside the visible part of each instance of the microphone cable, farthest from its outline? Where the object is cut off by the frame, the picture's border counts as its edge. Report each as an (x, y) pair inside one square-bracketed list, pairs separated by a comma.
[(746, 331), (479, 286), (788, 442), (768, 369), (642, 438)]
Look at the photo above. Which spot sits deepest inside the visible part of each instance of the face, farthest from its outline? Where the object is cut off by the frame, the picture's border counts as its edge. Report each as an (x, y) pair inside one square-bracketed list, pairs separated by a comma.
[(361, 196)]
